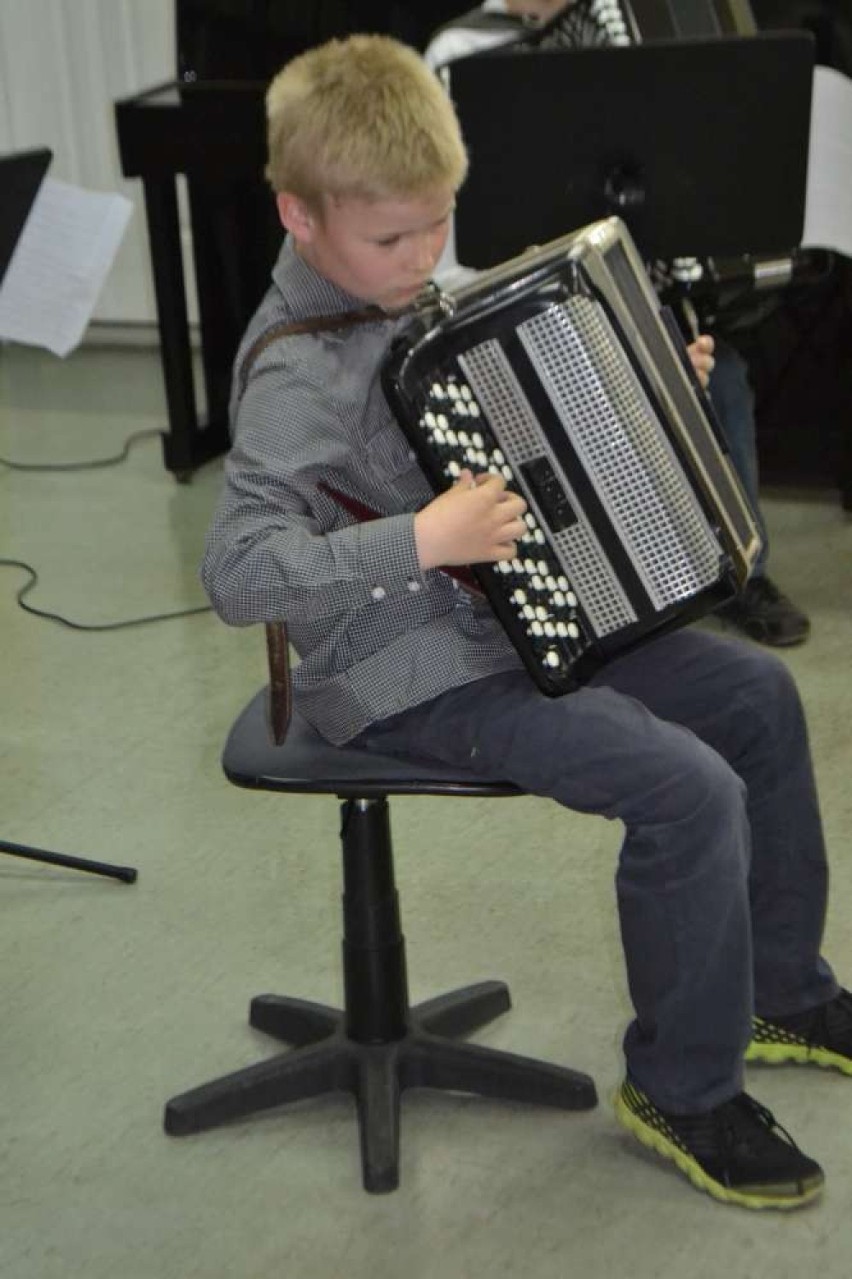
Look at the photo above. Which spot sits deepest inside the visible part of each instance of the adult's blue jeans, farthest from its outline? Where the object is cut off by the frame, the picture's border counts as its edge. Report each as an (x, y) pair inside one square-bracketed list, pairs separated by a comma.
[(698, 744), (733, 399)]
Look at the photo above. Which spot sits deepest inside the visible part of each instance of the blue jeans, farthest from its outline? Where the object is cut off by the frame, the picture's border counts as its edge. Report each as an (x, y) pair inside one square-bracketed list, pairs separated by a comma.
[(733, 399), (698, 745)]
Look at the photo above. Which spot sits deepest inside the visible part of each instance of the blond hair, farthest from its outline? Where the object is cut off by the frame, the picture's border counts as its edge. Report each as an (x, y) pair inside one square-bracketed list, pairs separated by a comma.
[(365, 117)]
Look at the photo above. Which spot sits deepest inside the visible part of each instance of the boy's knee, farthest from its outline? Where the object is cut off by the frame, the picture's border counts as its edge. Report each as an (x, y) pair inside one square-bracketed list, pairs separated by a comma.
[(768, 690), (704, 790)]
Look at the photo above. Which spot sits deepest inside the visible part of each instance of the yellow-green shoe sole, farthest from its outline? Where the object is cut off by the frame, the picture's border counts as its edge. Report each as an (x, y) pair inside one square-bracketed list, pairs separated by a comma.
[(755, 1198), (801, 1054)]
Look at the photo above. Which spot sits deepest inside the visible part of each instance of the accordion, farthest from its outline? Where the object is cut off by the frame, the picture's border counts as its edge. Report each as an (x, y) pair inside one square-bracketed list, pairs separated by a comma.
[(560, 371), (582, 23)]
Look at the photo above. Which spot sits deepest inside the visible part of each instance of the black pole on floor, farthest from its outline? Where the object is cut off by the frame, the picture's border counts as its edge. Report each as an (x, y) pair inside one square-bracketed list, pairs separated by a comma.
[(127, 874)]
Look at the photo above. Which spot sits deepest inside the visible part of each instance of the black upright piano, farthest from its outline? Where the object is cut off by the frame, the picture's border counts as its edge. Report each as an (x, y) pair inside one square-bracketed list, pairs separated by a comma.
[(208, 125)]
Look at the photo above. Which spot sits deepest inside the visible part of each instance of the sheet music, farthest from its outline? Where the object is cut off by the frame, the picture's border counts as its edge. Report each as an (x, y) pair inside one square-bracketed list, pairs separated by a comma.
[(828, 205), (60, 263)]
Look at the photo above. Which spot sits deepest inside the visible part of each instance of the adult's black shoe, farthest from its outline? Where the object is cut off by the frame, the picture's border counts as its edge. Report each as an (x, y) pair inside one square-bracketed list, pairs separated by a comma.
[(766, 615)]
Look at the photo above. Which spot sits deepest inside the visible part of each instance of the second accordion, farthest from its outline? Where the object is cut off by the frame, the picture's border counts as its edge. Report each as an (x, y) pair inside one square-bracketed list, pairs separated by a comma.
[(560, 371)]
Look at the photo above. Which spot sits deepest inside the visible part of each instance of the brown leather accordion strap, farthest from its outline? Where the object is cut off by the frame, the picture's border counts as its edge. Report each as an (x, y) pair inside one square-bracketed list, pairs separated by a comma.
[(277, 644), (313, 324), (280, 691)]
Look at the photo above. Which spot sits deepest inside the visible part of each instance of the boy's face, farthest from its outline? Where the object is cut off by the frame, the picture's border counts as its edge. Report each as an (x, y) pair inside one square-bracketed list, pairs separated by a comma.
[(383, 251)]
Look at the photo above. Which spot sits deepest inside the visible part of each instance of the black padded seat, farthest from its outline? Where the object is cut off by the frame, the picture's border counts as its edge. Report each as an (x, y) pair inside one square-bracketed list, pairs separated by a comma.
[(307, 763), (377, 1045)]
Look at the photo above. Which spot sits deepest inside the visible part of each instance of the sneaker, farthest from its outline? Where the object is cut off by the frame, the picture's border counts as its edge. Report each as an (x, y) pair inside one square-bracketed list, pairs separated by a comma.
[(764, 614), (736, 1152), (823, 1036)]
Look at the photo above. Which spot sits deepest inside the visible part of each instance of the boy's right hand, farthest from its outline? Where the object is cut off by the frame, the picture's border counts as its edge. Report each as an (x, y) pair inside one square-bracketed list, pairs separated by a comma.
[(477, 521)]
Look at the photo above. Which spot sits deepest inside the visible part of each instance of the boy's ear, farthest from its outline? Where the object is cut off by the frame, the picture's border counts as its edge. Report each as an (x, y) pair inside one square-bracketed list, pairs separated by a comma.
[(295, 216)]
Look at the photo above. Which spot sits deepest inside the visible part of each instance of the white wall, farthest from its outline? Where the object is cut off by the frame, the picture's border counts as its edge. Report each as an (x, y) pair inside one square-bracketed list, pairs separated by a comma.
[(63, 63)]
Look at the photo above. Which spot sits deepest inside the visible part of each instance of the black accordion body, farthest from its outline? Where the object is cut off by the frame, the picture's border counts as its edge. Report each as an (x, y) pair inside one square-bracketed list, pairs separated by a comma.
[(558, 371)]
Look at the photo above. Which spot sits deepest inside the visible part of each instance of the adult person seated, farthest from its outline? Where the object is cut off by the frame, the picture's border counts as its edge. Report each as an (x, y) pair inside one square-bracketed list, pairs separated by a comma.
[(762, 611)]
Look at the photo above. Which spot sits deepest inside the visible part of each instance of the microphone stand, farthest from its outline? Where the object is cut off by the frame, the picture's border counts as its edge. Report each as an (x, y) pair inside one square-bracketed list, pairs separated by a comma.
[(125, 873)]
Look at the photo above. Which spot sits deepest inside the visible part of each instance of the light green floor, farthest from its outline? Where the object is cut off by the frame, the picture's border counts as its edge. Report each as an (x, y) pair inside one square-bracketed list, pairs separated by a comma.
[(116, 997)]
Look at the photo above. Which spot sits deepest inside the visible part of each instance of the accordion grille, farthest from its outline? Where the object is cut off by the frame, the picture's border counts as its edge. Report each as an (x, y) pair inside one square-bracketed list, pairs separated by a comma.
[(502, 398), (625, 453)]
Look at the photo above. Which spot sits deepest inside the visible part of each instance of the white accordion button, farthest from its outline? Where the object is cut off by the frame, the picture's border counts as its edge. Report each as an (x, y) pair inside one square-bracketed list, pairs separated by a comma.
[(378, 593)]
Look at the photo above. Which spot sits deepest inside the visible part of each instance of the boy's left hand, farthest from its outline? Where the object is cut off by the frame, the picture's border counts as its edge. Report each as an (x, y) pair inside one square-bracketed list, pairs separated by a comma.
[(701, 355)]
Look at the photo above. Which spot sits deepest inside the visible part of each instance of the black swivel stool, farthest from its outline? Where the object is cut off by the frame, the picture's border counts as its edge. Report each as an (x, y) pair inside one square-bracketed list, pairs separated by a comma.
[(377, 1045)]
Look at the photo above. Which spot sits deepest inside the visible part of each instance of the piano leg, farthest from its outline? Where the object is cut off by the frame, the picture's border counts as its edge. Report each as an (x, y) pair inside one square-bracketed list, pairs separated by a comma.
[(188, 443)]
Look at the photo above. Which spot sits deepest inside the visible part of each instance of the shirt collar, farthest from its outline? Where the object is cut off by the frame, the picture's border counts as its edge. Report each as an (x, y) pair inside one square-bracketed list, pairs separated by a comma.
[(308, 292)]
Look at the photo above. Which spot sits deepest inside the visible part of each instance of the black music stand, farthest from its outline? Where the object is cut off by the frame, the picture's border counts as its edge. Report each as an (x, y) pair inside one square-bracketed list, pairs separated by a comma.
[(700, 146), (21, 175)]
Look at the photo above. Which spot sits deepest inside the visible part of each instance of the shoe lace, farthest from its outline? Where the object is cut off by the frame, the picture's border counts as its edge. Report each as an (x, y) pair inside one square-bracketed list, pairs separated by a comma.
[(744, 1124)]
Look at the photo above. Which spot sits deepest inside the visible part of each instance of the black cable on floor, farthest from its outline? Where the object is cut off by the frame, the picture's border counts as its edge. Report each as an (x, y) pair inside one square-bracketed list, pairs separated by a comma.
[(86, 626), (82, 466)]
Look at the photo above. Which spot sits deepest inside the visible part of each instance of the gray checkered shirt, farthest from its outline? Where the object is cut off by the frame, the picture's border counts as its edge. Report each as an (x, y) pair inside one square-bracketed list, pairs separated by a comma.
[(375, 634)]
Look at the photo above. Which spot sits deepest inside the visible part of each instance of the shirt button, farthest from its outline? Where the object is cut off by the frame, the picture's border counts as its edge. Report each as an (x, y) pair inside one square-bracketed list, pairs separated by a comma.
[(413, 586), (378, 593)]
